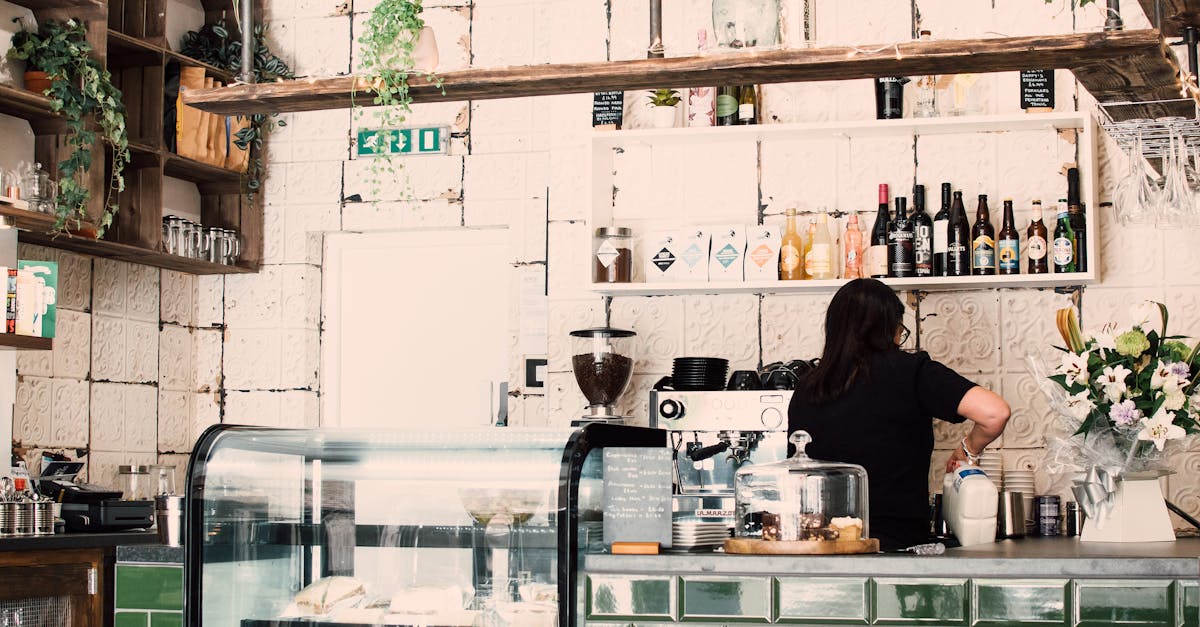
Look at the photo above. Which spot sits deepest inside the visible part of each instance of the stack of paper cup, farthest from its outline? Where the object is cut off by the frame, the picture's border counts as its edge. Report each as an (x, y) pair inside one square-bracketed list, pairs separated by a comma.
[(1020, 480)]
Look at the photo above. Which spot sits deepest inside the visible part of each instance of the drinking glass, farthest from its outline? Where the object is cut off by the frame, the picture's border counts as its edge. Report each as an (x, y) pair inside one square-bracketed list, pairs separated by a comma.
[(1175, 201), (1136, 193), (216, 244)]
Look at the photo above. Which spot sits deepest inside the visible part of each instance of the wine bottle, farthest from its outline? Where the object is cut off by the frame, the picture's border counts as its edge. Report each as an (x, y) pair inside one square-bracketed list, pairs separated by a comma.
[(748, 105), (810, 238), (941, 234), (727, 105), (922, 234), (1078, 221), (791, 249), (1064, 241), (877, 265), (900, 242), (1008, 243), (958, 241), (1035, 241), (983, 241)]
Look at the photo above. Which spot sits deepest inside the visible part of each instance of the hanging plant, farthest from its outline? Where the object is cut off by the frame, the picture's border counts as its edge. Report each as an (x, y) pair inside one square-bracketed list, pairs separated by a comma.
[(388, 48), (82, 92), (214, 45)]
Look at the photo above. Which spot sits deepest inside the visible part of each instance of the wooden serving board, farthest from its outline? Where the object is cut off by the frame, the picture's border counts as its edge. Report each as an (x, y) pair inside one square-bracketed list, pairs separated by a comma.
[(747, 546)]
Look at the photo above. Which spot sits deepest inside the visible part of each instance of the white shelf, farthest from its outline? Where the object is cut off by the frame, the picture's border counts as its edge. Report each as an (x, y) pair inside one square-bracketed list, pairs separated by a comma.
[(931, 284), (857, 128)]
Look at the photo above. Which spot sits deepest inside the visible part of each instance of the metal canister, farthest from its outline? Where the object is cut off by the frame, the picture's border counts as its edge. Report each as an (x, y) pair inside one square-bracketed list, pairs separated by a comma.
[(1073, 520), (43, 518), (25, 518), (8, 518), (1049, 514)]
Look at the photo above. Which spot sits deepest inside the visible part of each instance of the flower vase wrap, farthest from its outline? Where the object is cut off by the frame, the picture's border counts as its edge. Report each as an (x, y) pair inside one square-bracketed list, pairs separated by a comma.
[(1122, 398)]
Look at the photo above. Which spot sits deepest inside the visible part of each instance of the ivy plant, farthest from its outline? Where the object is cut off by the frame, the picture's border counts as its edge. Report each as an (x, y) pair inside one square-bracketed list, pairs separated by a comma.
[(215, 45), (387, 44), (82, 92)]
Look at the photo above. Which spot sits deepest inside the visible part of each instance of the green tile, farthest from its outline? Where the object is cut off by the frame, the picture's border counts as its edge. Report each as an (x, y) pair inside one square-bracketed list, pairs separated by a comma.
[(1190, 591), (1126, 603), (914, 601), (166, 619), (630, 597), (733, 599), (149, 587), (1000, 602), (827, 600), (131, 619)]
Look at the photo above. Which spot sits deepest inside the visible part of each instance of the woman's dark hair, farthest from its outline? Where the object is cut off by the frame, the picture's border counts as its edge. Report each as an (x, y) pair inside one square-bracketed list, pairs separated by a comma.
[(862, 320)]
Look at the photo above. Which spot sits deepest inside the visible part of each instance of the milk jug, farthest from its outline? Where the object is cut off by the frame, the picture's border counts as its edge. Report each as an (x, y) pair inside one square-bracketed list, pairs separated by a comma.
[(969, 504)]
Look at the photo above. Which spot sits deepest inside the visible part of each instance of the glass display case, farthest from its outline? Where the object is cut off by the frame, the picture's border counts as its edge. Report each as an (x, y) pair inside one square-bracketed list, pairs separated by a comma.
[(475, 527)]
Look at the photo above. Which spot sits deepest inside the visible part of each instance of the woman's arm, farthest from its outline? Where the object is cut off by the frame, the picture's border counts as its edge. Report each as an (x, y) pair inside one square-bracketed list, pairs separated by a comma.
[(989, 413)]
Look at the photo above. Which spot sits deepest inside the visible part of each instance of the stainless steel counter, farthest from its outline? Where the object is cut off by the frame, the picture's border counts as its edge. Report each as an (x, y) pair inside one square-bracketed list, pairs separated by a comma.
[(1030, 557)]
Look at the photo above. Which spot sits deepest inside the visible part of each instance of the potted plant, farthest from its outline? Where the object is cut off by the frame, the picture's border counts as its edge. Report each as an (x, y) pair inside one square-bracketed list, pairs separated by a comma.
[(213, 44), (395, 45), (664, 107), (82, 92), (1121, 396)]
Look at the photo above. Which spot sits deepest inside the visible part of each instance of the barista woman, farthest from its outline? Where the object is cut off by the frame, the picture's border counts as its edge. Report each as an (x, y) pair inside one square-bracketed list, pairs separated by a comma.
[(872, 404)]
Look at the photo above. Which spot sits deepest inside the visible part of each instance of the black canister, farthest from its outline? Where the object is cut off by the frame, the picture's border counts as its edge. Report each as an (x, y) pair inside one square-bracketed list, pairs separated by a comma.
[(1049, 514)]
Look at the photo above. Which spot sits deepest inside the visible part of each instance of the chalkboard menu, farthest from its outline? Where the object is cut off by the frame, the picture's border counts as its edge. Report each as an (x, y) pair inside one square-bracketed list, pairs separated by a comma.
[(608, 108), (1037, 89), (637, 495)]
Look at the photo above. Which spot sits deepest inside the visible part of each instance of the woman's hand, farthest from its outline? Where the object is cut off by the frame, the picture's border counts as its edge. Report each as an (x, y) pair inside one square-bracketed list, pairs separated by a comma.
[(957, 457)]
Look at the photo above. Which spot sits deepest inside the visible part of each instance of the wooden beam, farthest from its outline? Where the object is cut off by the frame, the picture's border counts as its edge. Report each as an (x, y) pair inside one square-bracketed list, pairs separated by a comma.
[(1175, 13), (740, 68)]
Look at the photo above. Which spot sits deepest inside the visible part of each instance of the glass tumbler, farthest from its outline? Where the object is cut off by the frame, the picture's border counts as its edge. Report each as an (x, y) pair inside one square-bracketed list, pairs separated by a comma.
[(216, 243)]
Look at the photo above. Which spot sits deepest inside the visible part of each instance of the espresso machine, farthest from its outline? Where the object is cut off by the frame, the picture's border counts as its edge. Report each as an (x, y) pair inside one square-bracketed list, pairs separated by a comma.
[(713, 434)]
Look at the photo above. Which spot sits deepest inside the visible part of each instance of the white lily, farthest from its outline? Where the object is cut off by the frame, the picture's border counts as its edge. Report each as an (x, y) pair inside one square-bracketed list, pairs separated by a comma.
[(1080, 405), (1161, 375), (1112, 380), (1075, 367), (1143, 312), (1160, 428), (1105, 339)]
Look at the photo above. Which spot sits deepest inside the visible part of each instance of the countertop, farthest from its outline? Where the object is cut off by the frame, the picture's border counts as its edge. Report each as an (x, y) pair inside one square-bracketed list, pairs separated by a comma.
[(78, 541), (1029, 557)]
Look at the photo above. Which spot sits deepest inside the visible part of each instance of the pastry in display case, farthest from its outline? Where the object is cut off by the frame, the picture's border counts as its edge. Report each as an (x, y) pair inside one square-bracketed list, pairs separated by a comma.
[(458, 527), (801, 506)]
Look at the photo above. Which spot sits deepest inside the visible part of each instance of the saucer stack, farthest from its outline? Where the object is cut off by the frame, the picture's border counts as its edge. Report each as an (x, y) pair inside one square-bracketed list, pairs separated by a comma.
[(694, 534), (991, 463)]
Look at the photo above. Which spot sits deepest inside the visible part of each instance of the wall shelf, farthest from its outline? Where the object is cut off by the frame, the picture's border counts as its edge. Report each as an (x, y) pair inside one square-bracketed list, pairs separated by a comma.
[(607, 209), (140, 65), (929, 284), (1108, 64), (12, 341)]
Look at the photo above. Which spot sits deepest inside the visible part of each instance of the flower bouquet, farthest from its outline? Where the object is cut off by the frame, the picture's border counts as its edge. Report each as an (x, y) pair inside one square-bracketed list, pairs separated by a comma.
[(1120, 396)]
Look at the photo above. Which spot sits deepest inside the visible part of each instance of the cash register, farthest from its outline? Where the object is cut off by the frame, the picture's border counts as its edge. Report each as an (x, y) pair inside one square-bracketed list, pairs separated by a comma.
[(87, 507)]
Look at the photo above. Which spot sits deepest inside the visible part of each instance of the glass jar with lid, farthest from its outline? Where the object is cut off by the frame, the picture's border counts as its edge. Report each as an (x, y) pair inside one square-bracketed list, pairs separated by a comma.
[(801, 498), (612, 255)]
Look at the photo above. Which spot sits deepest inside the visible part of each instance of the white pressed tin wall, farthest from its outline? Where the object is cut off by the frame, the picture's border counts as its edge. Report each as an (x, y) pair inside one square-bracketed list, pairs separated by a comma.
[(244, 349)]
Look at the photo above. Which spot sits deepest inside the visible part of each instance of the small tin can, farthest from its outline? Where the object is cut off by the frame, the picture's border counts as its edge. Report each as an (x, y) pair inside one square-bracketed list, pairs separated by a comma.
[(1049, 514), (1073, 525)]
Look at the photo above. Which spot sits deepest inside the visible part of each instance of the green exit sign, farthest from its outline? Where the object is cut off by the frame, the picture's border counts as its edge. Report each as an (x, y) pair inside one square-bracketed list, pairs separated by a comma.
[(432, 140)]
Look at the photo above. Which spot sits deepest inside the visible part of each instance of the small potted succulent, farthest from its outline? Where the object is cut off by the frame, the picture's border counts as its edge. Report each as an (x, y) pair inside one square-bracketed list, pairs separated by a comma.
[(664, 106)]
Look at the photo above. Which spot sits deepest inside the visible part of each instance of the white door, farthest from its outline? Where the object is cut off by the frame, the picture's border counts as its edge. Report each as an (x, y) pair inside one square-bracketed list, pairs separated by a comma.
[(417, 330)]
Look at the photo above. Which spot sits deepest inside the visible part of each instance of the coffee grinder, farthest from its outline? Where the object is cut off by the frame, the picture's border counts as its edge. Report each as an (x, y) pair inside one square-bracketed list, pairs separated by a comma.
[(602, 359)]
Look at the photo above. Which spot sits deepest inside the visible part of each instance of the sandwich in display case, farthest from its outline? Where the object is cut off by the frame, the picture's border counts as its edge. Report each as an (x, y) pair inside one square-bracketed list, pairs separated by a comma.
[(467, 527)]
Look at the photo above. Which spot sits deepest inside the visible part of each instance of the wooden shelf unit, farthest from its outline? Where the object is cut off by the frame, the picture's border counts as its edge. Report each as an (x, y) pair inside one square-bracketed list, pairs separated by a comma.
[(1175, 14), (1121, 65), (12, 341), (131, 44), (605, 144)]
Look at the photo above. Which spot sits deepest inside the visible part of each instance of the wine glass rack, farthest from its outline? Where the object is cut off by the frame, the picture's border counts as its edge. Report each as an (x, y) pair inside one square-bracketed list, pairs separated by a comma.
[(1155, 134)]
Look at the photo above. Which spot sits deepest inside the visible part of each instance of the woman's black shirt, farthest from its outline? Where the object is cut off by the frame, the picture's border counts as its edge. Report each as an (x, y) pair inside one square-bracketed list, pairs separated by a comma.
[(884, 423)]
